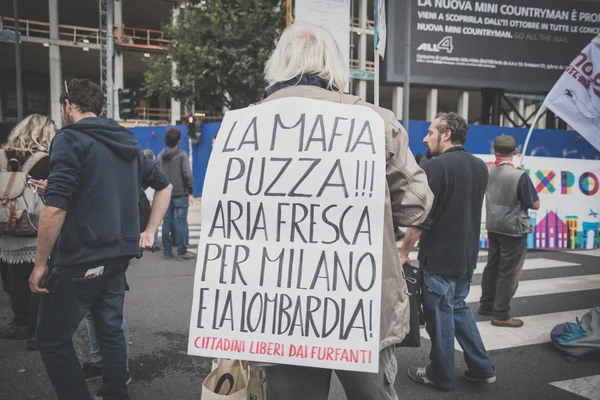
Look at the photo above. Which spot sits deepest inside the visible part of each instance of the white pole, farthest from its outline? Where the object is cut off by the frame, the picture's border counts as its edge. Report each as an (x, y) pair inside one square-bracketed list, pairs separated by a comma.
[(376, 79), (535, 120), (407, 60)]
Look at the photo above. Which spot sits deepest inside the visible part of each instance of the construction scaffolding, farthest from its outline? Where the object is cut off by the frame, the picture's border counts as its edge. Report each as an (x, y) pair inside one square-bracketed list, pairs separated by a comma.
[(107, 52)]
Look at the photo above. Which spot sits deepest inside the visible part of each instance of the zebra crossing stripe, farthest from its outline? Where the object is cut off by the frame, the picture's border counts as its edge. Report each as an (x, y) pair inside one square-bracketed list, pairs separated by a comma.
[(592, 253), (535, 331), (547, 286), (587, 387), (534, 263)]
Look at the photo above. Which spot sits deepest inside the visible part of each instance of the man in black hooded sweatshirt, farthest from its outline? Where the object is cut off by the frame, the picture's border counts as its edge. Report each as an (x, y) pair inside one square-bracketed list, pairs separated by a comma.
[(90, 224)]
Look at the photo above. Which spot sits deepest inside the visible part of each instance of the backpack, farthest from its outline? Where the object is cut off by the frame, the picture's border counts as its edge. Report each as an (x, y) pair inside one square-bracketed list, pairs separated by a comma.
[(580, 339), (20, 203)]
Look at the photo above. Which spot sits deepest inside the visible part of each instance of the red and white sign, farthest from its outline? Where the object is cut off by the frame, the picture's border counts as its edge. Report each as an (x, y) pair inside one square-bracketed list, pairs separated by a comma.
[(575, 97)]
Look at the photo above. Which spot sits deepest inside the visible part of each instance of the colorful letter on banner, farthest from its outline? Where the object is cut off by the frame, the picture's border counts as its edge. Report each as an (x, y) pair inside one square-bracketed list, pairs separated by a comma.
[(545, 181), (588, 183), (566, 182), (290, 255)]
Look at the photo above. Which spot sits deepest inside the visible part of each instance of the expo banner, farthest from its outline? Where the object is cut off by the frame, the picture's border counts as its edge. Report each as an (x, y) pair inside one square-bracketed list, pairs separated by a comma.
[(521, 45), (290, 255), (569, 192)]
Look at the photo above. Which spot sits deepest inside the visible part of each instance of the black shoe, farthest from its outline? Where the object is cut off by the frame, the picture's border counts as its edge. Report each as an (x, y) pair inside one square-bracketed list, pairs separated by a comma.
[(419, 375), (31, 345), (168, 256), (13, 331), (91, 372), (478, 379), (100, 396), (186, 256)]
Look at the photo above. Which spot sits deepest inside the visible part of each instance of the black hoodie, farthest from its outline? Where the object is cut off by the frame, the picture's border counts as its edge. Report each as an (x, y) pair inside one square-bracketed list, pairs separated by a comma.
[(96, 172)]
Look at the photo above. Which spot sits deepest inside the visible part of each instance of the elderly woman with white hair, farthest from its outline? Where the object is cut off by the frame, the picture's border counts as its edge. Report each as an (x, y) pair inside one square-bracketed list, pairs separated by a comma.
[(307, 62)]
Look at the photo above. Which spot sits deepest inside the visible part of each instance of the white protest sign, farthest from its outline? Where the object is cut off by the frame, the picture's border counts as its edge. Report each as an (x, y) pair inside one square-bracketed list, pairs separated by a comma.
[(290, 255)]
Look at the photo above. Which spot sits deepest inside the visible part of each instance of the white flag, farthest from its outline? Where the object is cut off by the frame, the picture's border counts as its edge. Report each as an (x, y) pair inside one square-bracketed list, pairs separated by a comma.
[(575, 98)]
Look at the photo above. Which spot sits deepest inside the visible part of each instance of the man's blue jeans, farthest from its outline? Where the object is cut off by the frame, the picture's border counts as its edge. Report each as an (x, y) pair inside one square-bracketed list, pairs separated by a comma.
[(447, 316), (95, 354), (71, 297), (176, 214)]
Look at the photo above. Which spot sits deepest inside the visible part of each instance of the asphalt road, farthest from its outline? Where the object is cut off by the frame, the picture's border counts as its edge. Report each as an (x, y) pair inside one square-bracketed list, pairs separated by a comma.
[(158, 308)]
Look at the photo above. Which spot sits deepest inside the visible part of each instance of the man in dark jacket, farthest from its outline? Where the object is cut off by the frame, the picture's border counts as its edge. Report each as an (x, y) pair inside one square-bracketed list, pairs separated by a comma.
[(448, 254), (176, 164), (90, 224)]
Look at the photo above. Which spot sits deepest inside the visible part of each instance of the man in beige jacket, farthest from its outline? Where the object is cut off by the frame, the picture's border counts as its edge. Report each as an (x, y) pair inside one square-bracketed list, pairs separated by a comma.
[(308, 63)]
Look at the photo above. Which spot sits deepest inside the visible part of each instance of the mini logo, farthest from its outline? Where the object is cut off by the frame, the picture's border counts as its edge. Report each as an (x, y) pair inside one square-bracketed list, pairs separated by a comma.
[(444, 44)]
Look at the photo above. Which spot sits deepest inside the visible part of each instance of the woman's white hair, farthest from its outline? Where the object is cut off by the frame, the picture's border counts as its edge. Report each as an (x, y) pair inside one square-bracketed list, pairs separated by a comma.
[(304, 49)]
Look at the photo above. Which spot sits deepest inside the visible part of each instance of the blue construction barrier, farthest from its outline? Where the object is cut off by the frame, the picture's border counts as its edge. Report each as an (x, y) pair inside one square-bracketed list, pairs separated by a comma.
[(544, 143), (201, 154), (153, 137)]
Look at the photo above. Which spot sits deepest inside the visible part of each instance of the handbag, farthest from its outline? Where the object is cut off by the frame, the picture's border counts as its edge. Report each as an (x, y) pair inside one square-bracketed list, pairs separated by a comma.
[(255, 381), (227, 381), (413, 277)]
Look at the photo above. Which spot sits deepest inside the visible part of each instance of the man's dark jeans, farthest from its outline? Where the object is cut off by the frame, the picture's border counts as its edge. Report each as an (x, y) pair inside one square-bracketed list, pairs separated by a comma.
[(501, 275), (447, 317), (71, 297), (177, 215)]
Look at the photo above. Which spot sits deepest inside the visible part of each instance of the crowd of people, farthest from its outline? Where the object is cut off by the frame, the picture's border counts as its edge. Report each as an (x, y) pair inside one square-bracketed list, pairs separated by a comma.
[(89, 230)]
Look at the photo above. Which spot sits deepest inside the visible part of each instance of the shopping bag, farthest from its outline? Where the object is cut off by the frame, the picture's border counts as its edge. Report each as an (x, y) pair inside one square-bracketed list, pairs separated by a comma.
[(227, 381), (256, 381), (413, 278)]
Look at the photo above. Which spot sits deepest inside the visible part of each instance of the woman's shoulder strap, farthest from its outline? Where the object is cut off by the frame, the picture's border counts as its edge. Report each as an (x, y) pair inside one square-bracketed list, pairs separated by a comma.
[(32, 160)]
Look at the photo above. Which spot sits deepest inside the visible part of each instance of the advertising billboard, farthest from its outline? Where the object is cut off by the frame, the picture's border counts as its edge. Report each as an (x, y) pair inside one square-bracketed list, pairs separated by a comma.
[(522, 45)]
